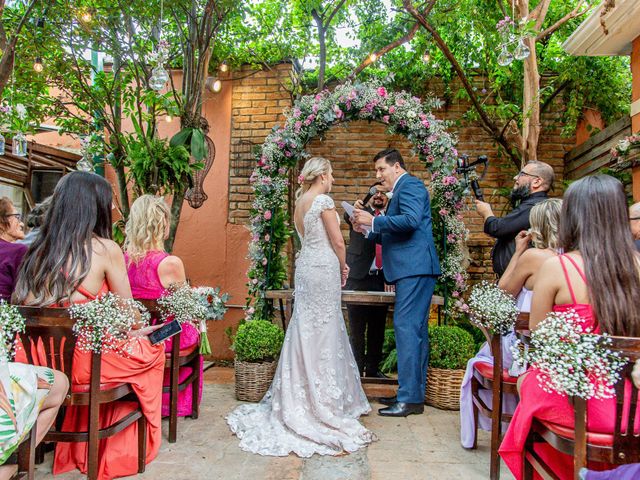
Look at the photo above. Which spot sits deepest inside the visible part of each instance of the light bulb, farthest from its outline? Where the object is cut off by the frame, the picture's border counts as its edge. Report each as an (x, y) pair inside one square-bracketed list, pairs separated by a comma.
[(224, 67), (373, 57), (168, 119), (86, 16), (37, 66), (217, 86), (426, 57)]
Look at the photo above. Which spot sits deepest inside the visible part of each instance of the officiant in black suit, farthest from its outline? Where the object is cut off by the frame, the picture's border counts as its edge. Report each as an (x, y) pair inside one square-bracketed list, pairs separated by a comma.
[(366, 322)]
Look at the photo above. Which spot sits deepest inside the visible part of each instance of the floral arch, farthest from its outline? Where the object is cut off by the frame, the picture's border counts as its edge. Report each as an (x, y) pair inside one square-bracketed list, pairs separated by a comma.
[(310, 117)]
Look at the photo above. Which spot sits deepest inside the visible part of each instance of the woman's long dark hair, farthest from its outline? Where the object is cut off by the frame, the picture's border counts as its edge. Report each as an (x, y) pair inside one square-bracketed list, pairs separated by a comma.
[(595, 222), (60, 258)]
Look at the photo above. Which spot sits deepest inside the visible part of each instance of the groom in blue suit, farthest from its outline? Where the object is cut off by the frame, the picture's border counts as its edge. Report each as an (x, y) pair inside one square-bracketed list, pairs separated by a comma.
[(409, 261)]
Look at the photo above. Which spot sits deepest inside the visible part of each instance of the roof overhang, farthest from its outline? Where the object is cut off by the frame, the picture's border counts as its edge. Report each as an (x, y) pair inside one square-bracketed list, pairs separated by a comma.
[(622, 23)]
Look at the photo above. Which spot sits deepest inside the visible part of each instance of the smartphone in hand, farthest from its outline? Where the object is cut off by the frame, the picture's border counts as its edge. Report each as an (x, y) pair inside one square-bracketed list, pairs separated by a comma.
[(168, 330)]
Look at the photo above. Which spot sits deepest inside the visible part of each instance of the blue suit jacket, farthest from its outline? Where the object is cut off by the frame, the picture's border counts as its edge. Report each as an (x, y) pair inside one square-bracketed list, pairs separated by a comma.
[(405, 232)]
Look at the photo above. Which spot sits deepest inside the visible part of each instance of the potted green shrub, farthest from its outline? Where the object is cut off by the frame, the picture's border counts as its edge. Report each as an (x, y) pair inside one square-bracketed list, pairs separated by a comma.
[(450, 349), (257, 345)]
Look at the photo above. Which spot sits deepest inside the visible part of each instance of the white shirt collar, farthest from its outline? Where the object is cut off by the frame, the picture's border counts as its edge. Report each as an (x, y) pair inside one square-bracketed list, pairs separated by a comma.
[(396, 182)]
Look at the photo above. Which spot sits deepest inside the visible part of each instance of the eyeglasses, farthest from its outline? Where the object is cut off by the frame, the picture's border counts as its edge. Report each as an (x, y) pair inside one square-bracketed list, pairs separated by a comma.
[(17, 215), (634, 218), (522, 172)]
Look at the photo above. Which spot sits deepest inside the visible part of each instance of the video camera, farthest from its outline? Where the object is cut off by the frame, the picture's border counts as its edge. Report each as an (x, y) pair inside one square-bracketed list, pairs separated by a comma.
[(465, 169)]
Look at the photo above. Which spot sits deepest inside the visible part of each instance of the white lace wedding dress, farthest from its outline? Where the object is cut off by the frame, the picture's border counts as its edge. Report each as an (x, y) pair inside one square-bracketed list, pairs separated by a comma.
[(316, 396)]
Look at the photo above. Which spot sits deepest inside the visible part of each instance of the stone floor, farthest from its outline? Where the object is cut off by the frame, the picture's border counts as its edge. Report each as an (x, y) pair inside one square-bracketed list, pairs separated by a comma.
[(419, 447)]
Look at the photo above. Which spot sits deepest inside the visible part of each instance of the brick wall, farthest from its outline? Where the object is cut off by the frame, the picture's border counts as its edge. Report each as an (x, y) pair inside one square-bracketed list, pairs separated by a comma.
[(351, 147)]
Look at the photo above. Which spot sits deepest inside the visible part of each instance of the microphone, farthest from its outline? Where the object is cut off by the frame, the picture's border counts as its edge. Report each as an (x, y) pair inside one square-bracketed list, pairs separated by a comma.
[(372, 191)]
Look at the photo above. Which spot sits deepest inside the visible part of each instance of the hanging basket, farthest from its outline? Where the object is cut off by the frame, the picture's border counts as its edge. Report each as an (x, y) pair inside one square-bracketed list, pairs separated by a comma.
[(443, 388), (253, 379)]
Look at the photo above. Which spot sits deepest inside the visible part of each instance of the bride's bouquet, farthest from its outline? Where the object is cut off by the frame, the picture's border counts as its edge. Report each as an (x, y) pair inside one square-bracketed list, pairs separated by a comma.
[(572, 361), (492, 308)]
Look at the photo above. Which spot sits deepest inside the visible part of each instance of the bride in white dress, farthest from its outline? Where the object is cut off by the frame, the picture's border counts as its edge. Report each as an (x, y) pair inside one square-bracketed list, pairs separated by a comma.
[(316, 397)]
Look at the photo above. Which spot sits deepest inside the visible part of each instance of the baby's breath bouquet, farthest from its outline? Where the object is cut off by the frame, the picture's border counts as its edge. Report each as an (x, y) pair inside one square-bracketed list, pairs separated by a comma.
[(103, 325), (570, 360), (214, 302), (181, 302), (11, 323), (492, 308)]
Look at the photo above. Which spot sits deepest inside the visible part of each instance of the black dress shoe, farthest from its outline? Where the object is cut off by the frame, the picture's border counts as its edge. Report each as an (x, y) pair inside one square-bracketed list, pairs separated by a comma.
[(401, 409), (388, 400)]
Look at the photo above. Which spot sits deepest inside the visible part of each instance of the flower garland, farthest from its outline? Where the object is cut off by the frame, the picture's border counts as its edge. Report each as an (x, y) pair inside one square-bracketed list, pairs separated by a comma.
[(310, 117), (621, 150), (493, 308), (571, 361), (103, 325), (11, 323)]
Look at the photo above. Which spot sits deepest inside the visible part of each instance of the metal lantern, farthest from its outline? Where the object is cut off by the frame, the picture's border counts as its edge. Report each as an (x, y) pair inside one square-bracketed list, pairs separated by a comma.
[(196, 195)]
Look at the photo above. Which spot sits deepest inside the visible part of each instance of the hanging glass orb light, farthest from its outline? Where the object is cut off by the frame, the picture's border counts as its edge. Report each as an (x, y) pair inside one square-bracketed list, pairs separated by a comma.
[(522, 51), (505, 58), (159, 78), (37, 65)]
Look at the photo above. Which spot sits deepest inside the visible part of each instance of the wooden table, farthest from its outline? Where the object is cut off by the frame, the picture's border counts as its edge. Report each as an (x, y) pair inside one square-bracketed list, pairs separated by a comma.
[(352, 297)]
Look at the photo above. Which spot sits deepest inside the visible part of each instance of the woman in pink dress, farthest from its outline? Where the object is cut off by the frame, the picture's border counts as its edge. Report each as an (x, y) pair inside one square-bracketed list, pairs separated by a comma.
[(74, 260), (151, 271), (598, 277)]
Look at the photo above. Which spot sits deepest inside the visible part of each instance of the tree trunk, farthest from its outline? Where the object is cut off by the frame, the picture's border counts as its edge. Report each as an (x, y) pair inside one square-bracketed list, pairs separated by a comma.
[(323, 48), (176, 211), (531, 106)]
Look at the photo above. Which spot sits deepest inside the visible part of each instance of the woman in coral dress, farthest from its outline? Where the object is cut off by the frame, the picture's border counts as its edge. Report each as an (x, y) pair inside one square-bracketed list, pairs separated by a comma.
[(151, 271), (74, 261), (598, 277)]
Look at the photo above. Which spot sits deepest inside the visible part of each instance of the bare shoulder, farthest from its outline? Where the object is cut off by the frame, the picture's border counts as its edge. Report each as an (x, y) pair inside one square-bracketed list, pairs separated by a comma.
[(551, 269), (535, 257), (107, 248), (171, 270)]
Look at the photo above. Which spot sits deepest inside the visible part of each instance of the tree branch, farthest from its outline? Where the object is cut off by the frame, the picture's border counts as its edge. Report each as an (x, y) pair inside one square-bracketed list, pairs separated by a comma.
[(487, 123), (576, 12), (333, 13), (396, 43)]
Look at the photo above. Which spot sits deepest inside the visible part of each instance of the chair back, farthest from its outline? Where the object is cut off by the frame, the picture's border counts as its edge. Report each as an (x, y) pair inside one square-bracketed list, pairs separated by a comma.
[(48, 339), (626, 441), (153, 307)]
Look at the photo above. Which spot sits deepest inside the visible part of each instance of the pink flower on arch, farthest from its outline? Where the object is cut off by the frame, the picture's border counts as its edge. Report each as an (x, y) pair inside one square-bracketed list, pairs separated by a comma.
[(267, 215), (443, 212), (382, 92), (392, 109), (385, 119)]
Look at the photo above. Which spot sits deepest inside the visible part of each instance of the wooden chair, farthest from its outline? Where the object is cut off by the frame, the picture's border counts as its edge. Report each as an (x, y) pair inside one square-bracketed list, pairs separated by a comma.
[(26, 457), (483, 379), (620, 447), (176, 358), (52, 328)]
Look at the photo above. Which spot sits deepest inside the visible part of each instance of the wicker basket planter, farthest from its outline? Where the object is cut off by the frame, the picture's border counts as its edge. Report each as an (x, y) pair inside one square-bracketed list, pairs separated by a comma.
[(253, 379), (443, 388)]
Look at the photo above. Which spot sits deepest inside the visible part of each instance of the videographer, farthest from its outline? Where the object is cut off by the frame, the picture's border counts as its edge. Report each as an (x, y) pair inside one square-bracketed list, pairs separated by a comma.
[(531, 186)]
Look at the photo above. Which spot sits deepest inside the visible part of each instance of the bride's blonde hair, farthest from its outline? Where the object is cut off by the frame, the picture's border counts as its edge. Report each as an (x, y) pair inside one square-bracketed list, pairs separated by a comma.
[(312, 169), (148, 219)]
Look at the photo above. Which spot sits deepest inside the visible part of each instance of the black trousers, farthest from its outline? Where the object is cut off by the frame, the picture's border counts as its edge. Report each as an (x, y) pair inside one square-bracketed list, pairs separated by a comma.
[(366, 325)]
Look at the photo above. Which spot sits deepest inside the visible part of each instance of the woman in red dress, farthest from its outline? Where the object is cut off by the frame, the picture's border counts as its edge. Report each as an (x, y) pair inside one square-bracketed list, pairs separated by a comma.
[(598, 277), (74, 260)]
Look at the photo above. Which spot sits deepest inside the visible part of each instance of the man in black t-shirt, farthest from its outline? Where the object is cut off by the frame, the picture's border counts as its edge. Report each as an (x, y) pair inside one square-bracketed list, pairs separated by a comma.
[(531, 186)]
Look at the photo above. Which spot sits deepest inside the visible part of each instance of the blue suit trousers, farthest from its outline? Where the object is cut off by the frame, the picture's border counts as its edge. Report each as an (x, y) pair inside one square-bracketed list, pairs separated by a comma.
[(410, 323)]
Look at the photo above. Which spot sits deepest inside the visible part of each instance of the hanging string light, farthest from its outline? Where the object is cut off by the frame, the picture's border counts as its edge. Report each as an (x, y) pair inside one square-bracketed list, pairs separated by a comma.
[(37, 65), (224, 67), (373, 56), (426, 56)]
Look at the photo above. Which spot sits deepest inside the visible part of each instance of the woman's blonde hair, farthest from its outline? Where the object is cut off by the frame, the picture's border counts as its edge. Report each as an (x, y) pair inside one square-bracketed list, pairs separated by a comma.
[(313, 168), (545, 223), (145, 230)]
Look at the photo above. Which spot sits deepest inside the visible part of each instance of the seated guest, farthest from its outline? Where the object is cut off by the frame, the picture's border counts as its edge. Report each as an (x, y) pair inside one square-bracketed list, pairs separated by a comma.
[(518, 279), (598, 277), (74, 260), (151, 271), (11, 252), (28, 395), (35, 218), (634, 223)]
